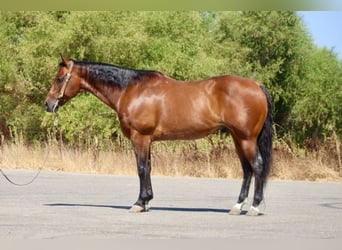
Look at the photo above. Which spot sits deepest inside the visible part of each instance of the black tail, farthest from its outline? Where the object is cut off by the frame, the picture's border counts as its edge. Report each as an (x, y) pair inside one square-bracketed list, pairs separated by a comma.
[(265, 138)]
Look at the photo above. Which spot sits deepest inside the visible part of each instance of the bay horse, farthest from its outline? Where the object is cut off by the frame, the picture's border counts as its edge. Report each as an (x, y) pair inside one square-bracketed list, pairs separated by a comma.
[(152, 107)]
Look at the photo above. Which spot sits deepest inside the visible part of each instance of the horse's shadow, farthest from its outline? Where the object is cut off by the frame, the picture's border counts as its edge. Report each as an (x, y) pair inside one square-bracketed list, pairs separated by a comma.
[(172, 209)]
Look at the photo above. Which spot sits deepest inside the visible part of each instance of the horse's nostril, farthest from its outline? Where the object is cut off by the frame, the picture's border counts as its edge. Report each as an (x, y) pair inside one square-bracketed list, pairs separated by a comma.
[(46, 106)]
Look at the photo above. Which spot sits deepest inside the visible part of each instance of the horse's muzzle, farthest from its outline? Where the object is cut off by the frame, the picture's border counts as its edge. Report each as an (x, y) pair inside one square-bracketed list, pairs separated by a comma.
[(52, 105)]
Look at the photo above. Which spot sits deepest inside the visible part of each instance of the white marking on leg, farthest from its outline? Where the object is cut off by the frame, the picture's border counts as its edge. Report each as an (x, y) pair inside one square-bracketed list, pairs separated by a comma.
[(253, 211), (236, 210), (240, 205), (136, 209)]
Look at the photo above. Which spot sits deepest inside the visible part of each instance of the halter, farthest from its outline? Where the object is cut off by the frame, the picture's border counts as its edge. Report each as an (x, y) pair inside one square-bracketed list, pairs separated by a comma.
[(65, 81)]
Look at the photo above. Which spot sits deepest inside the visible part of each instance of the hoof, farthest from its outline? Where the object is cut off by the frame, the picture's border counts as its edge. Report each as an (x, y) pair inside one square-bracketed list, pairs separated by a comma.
[(136, 209), (253, 211), (234, 211), (139, 209)]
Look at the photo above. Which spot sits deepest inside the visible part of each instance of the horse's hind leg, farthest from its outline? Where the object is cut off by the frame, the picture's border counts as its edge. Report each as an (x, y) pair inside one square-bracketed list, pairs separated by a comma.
[(252, 163), (259, 183), (247, 177), (252, 154)]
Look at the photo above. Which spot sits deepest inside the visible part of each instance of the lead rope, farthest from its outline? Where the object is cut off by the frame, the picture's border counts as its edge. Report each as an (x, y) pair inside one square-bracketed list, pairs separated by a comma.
[(20, 184), (33, 179), (39, 170)]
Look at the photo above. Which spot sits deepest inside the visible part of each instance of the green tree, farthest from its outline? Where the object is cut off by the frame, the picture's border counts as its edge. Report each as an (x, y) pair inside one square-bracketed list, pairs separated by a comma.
[(179, 44), (317, 111), (25, 69)]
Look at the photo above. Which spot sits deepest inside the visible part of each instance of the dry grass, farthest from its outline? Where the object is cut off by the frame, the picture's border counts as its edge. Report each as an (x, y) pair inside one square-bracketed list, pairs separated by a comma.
[(209, 157)]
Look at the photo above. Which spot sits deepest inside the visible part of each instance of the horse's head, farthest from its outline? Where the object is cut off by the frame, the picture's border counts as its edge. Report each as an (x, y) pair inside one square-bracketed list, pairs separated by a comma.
[(65, 85)]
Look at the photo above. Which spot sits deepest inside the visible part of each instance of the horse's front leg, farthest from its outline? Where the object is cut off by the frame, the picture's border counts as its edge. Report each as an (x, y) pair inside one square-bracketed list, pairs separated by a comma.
[(141, 145)]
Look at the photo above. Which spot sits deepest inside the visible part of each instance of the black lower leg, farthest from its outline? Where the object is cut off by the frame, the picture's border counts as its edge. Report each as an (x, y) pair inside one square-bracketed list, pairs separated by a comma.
[(259, 180), (144, 172), (247, 176), (259, 190)]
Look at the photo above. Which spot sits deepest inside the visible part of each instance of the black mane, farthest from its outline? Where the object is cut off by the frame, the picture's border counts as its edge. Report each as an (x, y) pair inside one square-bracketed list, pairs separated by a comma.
[(113, 74)]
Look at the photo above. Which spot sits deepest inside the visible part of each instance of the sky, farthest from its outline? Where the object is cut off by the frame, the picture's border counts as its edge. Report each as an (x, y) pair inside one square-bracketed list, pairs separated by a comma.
[(325, 28)]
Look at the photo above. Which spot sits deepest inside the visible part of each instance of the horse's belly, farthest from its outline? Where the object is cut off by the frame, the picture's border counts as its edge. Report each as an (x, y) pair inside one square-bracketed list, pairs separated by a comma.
[(179, 133), (191, 121)]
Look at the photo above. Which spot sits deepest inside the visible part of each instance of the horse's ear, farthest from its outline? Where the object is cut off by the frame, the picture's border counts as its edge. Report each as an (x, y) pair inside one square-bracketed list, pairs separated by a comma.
[(65, 61)]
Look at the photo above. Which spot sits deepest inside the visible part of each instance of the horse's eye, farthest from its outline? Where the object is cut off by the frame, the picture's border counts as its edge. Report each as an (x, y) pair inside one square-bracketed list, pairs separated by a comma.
[(59, 79)]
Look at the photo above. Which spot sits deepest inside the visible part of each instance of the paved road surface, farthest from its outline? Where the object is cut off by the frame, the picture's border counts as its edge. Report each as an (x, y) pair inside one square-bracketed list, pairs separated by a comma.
[(64, 205)]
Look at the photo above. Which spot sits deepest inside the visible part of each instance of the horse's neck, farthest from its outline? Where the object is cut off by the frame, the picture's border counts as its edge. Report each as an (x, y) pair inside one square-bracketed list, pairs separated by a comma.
[(107, 82), (109, 94)]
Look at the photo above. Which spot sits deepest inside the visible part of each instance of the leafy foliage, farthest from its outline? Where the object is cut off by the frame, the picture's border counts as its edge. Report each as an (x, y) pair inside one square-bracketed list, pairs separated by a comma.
[(317, 111)]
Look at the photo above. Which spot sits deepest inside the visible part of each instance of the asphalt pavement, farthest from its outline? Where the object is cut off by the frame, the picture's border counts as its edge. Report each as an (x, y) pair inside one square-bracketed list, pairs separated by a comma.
[(61, 205)]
